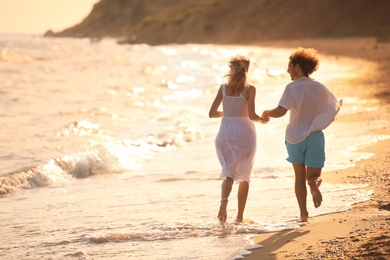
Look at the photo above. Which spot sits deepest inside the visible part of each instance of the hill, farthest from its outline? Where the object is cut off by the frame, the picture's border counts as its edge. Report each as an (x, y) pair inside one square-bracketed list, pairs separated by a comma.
[(231, 21)]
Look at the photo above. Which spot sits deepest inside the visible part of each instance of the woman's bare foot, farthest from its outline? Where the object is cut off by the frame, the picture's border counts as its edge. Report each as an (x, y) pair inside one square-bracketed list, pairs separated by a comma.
[(222, 215), (315, 192), (238, 219)]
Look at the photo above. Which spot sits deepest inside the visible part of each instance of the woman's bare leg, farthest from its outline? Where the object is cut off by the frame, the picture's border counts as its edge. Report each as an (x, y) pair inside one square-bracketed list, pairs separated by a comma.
[(226, 188), (242, 196), (300, 190)]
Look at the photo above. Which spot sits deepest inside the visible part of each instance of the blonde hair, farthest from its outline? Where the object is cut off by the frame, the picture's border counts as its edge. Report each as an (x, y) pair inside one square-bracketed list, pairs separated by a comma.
[(237, 76)]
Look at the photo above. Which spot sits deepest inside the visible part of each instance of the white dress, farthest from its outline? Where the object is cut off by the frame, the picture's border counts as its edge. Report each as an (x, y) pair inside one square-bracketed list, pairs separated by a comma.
[(236, 139)]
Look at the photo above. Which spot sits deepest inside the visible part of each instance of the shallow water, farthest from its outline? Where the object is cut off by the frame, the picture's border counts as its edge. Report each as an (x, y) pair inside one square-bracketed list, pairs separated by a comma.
[(107, 151)]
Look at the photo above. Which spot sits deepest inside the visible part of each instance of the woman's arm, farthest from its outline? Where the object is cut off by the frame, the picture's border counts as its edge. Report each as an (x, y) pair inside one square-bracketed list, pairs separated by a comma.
[(214, 112), (251, 106)]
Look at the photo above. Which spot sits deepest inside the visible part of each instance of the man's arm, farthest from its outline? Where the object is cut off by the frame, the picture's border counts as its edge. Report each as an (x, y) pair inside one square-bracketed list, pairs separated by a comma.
[(276, 112)]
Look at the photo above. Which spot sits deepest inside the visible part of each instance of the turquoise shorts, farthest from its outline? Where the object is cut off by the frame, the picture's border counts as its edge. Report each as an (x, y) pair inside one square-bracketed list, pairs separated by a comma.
[(310, 151)]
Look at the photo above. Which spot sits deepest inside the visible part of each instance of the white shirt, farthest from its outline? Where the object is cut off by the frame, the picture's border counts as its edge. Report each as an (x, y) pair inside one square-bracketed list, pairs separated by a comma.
[(312, 108)]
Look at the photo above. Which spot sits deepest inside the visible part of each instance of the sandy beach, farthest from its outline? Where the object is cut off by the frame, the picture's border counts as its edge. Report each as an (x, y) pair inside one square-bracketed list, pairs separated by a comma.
[(364, 231), (89, 128)]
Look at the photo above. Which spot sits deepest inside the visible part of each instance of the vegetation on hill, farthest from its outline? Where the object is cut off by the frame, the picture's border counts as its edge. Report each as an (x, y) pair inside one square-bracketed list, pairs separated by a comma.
[(231, 21)]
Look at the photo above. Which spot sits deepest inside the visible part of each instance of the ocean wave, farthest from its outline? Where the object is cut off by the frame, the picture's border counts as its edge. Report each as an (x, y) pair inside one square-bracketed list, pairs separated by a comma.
[(186, 230), (56, 171), (105, 155)]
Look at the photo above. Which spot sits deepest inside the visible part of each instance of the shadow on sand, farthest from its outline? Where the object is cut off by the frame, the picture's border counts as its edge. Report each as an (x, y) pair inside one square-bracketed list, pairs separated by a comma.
[(272, 244)]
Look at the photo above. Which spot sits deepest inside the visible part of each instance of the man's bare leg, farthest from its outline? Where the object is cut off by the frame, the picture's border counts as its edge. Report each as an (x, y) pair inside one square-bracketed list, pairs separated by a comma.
[(300, 190), (314, 181), (242, 196), (226, 188)]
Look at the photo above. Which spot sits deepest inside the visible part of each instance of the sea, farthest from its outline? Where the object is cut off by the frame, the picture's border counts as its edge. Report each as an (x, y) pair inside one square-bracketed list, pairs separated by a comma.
[(107, 150)]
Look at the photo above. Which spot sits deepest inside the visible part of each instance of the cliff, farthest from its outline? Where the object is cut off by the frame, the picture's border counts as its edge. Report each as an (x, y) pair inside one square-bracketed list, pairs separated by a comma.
[(231, 21)]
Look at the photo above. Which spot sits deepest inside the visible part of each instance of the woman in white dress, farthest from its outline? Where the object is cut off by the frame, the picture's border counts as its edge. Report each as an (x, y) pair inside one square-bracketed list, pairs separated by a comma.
[(236, 139)]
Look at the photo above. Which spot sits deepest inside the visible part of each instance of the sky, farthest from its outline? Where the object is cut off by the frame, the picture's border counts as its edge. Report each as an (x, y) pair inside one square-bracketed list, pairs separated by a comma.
[(39, 16)]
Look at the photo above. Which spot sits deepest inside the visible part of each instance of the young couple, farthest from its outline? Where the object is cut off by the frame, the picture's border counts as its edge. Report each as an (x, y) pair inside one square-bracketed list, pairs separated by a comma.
[(312, 108)]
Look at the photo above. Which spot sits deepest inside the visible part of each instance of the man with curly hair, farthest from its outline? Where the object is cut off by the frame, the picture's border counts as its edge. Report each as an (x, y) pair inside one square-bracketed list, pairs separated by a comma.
[(312, 109)]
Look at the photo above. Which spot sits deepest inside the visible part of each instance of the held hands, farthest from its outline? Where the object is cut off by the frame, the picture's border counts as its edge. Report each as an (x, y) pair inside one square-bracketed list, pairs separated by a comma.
[(264, 117), (264, 120)]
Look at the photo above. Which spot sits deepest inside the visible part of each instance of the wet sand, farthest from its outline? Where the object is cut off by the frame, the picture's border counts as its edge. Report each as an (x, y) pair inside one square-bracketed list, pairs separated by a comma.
[(364, 231)]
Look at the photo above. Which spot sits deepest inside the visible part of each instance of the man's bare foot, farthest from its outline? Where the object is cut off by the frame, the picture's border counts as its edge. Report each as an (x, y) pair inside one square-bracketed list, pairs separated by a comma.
[(315, 192), (222, 215), (303, 219)]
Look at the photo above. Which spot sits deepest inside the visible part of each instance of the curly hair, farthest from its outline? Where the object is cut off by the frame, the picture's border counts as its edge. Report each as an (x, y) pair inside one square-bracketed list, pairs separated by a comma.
[(307, 60), (237, 76)]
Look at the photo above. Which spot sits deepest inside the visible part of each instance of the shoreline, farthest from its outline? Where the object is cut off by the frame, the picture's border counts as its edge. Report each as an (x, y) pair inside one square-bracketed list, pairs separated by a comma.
[(363, 232)]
